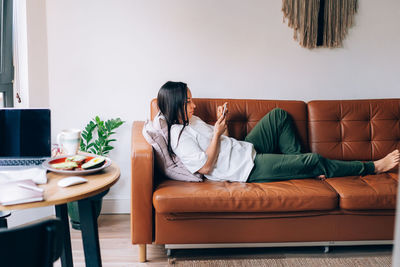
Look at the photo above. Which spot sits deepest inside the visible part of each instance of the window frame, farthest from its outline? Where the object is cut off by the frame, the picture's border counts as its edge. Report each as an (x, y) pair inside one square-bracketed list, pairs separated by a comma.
[(6, 52)]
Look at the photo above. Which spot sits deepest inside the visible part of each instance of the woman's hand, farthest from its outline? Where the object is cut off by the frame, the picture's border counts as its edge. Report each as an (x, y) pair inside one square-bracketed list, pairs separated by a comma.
[(220, 126), (222, 119), (220, 109)]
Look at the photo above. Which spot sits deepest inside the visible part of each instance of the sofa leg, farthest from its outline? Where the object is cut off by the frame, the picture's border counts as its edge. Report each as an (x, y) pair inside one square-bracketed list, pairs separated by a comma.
[(142, 252)]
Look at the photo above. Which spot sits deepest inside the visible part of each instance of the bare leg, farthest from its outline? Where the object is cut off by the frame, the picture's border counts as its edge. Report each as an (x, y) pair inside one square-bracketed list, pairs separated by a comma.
[(390, 161)]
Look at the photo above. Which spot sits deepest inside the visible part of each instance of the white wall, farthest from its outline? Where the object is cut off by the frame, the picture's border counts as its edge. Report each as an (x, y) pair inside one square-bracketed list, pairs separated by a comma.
[(37, 53), (109, 58)]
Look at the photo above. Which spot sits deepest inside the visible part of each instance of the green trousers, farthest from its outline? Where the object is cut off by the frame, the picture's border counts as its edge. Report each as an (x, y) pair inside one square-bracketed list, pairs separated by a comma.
[(279, 157)]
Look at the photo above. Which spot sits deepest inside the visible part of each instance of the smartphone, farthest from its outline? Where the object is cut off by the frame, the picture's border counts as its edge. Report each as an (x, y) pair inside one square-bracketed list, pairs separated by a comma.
[(224, 111)]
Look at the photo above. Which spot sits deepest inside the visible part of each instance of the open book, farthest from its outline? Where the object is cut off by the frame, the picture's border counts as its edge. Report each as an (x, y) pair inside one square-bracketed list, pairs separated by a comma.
[(17, 192)]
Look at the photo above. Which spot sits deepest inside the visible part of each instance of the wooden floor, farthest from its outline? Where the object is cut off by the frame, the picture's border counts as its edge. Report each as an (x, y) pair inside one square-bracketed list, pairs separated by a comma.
[(115, 244), (117, 250)]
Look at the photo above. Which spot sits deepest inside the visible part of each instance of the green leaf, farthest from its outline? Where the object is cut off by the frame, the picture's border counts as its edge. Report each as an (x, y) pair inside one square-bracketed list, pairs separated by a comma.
[(100, 124), (95, 145), (116, 124), (109, 141), (108, 126), (90, 145), (90, 127)]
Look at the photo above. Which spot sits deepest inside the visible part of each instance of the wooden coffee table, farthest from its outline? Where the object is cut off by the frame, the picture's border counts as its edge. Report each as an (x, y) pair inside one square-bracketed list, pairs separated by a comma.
[(99, 183)]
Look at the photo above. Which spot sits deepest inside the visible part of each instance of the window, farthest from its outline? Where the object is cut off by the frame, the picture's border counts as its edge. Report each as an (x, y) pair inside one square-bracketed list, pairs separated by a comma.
[(1, 99), (6, 59)]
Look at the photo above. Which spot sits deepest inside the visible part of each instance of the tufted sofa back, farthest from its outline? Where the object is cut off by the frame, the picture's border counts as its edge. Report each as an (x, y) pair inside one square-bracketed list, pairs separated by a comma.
[(354, 129), (336, 129), (244, 114)]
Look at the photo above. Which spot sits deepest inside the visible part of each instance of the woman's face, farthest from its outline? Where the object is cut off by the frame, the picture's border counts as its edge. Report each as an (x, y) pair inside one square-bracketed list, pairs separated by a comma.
[(190, 106)]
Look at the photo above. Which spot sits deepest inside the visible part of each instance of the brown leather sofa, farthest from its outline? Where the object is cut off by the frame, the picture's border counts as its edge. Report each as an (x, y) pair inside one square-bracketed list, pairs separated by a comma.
[(337, 211)]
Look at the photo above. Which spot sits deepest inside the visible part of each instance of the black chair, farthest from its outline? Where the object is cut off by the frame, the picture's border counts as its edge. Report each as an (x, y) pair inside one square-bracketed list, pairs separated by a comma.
[(3, 218), (34, 245)]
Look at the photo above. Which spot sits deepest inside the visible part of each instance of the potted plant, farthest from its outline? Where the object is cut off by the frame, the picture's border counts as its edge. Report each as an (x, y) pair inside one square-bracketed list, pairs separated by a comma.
[(96, 139)]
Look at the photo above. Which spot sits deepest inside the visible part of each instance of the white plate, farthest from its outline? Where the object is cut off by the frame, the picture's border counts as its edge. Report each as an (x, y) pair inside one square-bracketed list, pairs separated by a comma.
[(47, 165)]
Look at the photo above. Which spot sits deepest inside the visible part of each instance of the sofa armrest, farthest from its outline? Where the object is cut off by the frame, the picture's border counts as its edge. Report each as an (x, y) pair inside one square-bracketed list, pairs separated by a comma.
[(142, 187)]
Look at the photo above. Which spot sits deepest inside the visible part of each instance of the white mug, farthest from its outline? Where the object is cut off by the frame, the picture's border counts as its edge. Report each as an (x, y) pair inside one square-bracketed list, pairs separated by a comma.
[(69, 141)]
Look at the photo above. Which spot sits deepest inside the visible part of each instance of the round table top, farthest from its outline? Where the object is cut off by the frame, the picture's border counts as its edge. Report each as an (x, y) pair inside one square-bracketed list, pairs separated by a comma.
[(55, 195)]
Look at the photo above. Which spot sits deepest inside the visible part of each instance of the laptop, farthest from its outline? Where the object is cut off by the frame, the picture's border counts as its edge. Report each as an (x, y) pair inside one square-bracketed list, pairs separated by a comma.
[(25, 138)]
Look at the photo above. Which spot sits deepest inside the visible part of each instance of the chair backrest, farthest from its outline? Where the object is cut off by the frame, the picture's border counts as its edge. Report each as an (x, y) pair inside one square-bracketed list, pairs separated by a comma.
[(35, 245), (3, 218)]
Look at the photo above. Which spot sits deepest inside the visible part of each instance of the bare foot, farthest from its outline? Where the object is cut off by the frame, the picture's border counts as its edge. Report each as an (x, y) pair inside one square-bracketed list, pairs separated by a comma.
[(322, 177), (390, 161)]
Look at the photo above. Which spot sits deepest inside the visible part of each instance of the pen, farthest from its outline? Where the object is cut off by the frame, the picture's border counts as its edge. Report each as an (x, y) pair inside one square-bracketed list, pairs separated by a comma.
[(31, 187)]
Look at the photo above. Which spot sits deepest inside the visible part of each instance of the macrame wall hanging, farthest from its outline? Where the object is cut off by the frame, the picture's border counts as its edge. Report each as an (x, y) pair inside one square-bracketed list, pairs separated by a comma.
[(319, 23)]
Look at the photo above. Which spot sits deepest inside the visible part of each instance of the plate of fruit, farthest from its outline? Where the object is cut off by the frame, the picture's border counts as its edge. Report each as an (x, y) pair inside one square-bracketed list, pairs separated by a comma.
[(77, 164)]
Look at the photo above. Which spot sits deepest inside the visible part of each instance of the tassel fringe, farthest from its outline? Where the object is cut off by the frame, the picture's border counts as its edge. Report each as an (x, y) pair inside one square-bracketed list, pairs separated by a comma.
[(302, 16)]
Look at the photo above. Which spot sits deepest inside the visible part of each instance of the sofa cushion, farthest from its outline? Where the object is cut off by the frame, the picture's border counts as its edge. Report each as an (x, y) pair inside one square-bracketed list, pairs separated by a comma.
[(371, 192), (209, 196)]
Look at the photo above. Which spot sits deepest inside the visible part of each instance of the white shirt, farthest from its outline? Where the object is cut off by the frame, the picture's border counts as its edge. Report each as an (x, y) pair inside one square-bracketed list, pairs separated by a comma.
[(235, 159)]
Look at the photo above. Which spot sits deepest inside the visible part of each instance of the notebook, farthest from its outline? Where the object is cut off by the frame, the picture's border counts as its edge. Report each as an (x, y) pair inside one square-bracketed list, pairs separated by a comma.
[(18, 192)]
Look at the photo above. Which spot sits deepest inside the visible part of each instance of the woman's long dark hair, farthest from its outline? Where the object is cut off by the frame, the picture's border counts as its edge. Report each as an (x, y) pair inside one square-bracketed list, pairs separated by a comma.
[(171, 101)]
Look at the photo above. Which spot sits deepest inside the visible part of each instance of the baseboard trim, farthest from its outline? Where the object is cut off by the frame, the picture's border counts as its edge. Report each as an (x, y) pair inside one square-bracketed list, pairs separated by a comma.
[(283, 244), (116, 206)]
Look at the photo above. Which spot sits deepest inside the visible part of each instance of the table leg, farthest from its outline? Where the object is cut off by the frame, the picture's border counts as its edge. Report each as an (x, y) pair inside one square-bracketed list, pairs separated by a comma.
[(90, 233), (66, 255)]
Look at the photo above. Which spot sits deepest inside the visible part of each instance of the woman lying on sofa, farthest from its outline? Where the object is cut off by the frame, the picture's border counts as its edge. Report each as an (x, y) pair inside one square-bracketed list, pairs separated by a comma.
[(270, 152)]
